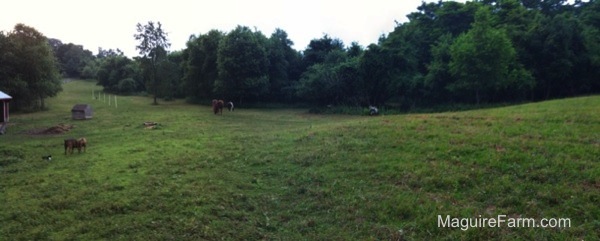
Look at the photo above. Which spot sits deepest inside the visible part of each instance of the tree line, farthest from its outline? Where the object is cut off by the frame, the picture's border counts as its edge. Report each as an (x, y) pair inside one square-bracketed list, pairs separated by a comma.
[(484, 51)]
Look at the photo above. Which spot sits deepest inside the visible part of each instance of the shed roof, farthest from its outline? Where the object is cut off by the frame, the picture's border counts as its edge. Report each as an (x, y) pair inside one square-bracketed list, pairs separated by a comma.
[(80, 107), (4, 96)]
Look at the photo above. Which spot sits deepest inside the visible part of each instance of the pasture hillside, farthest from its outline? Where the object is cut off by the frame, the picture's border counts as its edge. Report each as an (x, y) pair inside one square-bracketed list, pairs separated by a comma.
[(284, 174)]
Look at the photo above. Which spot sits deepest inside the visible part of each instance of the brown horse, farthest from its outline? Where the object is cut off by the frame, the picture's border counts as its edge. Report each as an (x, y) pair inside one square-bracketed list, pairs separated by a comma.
[(70, 144), (75, 143), (217, 106), (82, 143)]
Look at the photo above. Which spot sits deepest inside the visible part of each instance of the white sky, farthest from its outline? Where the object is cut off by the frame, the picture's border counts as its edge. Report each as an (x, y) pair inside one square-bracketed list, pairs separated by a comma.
[(111, 23)]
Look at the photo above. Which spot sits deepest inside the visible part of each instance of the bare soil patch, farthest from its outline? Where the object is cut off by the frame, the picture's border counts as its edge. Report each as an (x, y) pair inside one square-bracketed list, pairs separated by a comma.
[(53, 130)]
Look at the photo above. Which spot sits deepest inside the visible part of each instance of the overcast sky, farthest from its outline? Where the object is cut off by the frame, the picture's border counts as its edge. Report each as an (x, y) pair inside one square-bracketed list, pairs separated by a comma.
[(111, 23)]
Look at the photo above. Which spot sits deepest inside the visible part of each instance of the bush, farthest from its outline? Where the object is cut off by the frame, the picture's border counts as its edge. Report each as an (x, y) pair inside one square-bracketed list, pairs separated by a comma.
[(127, 86)]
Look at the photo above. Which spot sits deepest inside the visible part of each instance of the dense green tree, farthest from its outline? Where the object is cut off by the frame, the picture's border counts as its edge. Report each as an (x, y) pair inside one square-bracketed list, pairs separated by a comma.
[(318, 49), (547, 7), (454, 17), (316, 84), (430, 23), (320, 83), (9, 81), (438, 76), (243, 65), (355, 50), (200, 67), (113, 70), (93, 64), (281, 58), (336, 81), (54, 44), (72, 59), (103, 53), (518, 23), (29, 70), (406, 59), (171, 73), (153, 44), (348, 72), (483, 60), (90, 70), (558, 52), (590, 19), (378, 70)]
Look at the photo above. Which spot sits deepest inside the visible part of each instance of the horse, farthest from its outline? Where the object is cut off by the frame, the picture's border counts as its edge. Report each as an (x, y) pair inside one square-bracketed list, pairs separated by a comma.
[(217, 106), (75, 143), (230, 106), (82, 143), (373, 110), (70, 144)]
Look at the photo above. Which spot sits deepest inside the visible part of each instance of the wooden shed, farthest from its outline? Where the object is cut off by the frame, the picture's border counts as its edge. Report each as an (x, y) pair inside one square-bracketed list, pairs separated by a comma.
[(81, 112), (4, 99)]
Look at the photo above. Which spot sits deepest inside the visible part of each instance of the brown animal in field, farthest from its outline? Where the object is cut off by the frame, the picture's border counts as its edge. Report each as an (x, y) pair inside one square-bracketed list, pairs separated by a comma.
[(75, 143), (82, 143), (217, 106), (69, 145)]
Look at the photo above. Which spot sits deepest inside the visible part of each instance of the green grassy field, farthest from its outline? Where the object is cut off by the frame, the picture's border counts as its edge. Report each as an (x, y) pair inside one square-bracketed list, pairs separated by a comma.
[(283, 174)]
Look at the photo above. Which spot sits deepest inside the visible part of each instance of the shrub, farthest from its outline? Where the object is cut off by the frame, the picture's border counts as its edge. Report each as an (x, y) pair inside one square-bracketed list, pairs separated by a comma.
[(127, 86)]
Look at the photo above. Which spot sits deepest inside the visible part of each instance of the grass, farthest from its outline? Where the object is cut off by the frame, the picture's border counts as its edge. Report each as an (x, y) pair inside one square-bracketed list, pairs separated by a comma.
[(285, 174)]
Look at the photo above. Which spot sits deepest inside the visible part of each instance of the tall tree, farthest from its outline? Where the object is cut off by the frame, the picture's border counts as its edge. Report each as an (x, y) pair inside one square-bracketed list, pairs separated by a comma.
[(170, 71), (200, 67), (153, 45), (112, 72), (31, 72), (482, 59), (438, 76), (378, 71), (281, 58), (559, 53), (243, 65), (318, 49), (336, 80), (591, 25), (72, 59), (355, 50)]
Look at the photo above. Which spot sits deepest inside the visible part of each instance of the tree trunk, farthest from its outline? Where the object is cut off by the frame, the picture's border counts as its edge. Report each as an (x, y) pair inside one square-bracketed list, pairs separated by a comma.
[(42, 107), (154, 79)]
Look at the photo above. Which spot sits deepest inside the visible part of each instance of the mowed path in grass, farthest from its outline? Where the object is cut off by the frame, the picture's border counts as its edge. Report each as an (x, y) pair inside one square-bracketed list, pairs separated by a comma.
[(284, 174)]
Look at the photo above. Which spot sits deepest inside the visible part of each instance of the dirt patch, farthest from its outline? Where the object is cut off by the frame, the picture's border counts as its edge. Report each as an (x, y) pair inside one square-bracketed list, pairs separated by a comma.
[(150, 125), (54, 130)]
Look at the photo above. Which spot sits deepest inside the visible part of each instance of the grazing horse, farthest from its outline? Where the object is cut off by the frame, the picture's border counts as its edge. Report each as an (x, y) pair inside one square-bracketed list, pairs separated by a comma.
[(230, 106), (82, 143), (217, 106), (75, 143), (70, 144)]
